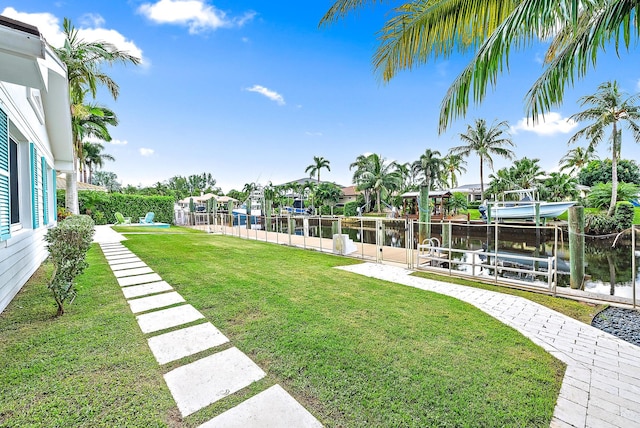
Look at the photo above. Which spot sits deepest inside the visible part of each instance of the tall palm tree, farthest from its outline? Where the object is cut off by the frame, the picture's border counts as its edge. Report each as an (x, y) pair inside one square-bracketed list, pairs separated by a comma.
[(94, 157), (380, 176), (559, 187), (453, 165), (90, 120), (361, 164), (84, 61), (429, 166), (577, 158), (485, 142), (318, 163), (419, 30), (609, 107)]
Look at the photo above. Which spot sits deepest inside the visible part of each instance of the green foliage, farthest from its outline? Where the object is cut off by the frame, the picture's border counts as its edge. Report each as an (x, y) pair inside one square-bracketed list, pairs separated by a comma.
[(103, 206), (559, 187), (68, 244), (457, 202), (602, 224), (600, 194), (62, 213), (598, 171), (351, 209)]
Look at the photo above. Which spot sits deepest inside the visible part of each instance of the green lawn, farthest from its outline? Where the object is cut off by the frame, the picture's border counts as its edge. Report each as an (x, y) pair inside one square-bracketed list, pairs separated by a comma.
[(354, 350), (91, 367), (357, 351)]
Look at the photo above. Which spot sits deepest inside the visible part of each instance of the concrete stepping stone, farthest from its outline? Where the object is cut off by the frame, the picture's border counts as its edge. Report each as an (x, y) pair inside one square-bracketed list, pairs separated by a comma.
[(187, 341), (145, 289), (167, 318), (129, 254), (112, 245), (139, 279), (272, 408), (114, 250), (198, 384), (126, 260), (123, 266), (118, 253), (132, 272), (154, 302)]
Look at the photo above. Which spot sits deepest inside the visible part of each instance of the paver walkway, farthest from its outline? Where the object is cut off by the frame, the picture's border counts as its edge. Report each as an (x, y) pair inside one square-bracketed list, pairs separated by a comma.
[(211, 378), (601, 387)]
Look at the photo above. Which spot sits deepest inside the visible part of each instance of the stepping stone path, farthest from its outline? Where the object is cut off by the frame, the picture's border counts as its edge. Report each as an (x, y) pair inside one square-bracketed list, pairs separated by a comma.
[(211, 378)]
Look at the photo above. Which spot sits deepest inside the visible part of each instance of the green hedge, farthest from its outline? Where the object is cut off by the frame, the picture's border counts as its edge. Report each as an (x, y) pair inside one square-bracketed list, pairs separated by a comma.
[(103, 206), (602, 224)]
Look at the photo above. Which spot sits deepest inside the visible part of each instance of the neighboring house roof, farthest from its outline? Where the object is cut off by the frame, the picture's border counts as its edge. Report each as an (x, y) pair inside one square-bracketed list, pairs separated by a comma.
[(469, 188), (27, 60), (61, 183), (350, 191)]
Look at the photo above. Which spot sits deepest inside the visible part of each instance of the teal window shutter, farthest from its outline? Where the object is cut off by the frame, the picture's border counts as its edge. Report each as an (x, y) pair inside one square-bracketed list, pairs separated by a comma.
[(45, 194), (54, 190), (35, 195), (5, 191)]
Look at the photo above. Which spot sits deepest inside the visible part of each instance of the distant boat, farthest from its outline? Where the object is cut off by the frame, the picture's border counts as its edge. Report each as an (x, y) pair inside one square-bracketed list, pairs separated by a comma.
[(255, 201), (525, 208)]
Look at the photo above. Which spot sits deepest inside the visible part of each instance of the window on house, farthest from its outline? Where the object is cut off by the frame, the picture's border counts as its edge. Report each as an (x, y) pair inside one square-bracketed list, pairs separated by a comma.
[(13, 182)]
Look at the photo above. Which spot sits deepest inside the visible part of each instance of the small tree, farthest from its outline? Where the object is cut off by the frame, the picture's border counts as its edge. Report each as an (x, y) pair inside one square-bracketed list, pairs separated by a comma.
[(68, 244)]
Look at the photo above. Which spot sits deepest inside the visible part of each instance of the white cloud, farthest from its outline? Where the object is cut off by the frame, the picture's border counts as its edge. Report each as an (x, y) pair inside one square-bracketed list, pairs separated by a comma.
[(91, 30), (92, 20), (114, 141), (146, 152), (195, 14), (272, 95), (314, 134), (550, 124)]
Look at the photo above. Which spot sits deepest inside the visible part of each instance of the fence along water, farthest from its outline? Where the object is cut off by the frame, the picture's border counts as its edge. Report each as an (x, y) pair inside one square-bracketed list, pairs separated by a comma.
[(526, 257)]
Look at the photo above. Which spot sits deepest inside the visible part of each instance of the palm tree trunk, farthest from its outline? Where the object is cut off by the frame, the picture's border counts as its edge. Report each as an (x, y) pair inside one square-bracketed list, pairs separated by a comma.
[(71, 197), (614, 171), (481, 181)]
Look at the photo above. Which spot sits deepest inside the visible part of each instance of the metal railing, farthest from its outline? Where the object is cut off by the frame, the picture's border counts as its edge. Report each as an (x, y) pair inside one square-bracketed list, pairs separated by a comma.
[(521, 256)]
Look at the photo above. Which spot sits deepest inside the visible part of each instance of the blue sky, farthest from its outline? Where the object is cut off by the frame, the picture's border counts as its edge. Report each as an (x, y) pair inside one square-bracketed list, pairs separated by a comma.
[(250, 91)]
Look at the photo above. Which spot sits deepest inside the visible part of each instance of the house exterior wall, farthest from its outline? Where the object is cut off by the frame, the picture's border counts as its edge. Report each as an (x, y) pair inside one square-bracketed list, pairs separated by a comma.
[(22, 247)]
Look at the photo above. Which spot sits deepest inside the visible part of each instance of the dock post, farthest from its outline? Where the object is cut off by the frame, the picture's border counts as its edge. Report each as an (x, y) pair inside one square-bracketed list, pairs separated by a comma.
[(576, 246), (424, 215)]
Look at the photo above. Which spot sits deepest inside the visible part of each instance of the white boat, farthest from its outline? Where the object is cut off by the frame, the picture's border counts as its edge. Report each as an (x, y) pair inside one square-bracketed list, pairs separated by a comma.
[(255, 212), (525, 208)]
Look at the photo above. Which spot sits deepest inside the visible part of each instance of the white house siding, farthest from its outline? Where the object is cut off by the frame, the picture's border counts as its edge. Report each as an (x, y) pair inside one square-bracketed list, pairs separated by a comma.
[(24, 250)]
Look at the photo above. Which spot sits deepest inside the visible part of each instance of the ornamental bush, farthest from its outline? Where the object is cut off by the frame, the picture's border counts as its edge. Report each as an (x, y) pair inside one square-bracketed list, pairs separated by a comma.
[(68, 244), (602, 224)]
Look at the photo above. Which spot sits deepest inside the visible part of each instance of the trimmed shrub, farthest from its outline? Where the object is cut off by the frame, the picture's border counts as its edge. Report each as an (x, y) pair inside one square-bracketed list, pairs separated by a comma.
[(68, 244), (103, 206), (350, 209)]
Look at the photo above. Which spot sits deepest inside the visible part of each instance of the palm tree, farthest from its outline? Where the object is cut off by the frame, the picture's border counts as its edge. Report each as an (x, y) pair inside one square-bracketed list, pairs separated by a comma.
[(93, 157), (419, 30), (453, 165), (429, 166), (361, 164), (485, 142), (577, 158), (84, 61), (378, 175), (609, 107), (318, 163), (559, 187)]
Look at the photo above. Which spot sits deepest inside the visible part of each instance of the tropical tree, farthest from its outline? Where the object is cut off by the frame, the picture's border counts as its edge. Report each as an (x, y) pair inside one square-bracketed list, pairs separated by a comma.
[(328, 194), (600, 171), (318, 163), (84, 61), (361, 164), (525, 173), (429, 166), (421, 30), (600, 194), (577, 158), (609, 108), (107, 179), (559, 187), (485, 142), (94, 158), (452, 166), (379, 176)]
